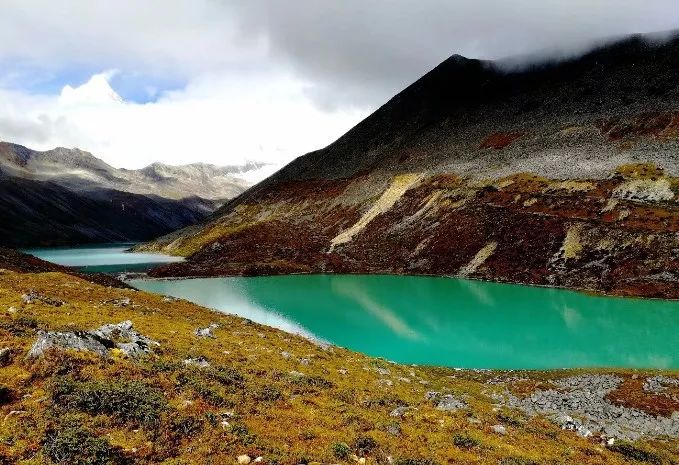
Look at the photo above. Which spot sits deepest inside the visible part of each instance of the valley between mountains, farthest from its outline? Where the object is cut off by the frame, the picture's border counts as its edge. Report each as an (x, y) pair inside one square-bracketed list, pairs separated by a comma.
[(68, 196)]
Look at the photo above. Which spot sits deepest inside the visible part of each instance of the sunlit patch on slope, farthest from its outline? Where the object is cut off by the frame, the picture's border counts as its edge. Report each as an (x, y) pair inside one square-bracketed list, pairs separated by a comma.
[(394, 192), (479, 259)]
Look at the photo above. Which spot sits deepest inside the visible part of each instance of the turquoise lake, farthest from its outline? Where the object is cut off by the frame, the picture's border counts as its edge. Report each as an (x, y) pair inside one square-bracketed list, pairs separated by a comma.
[(434, 321), (102, 258), (451, 322)]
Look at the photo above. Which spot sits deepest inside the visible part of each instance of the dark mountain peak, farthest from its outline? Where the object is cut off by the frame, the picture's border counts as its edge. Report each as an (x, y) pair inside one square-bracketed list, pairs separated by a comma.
[(461, 101)]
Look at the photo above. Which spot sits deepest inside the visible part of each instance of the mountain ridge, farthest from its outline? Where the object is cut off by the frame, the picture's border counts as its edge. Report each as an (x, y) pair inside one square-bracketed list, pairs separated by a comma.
[(540, 176), (79, 170)]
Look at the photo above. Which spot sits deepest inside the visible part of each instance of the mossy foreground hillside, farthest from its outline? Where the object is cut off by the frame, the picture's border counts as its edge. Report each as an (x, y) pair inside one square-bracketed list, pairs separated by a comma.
[(98, 375)]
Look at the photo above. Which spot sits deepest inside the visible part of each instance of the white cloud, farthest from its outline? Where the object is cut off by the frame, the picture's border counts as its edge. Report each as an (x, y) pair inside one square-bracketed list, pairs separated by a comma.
[(96, 91), (217, 118), (179, 37), (265, 80)]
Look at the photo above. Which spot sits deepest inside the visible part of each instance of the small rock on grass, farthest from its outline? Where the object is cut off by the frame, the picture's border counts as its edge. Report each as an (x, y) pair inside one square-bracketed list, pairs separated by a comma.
[(399, 411), (207, 331), (200, 362), (499, 429)]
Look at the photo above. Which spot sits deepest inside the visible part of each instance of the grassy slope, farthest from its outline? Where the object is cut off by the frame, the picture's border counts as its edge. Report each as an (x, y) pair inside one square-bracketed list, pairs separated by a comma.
[(159, 411)]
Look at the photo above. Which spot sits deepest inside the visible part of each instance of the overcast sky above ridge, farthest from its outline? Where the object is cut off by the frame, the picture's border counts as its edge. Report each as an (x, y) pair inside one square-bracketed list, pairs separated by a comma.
[(222, 82)]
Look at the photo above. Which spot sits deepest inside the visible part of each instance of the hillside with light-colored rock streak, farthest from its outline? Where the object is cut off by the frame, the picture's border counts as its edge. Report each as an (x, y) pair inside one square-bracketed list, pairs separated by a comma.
[(565, 174)]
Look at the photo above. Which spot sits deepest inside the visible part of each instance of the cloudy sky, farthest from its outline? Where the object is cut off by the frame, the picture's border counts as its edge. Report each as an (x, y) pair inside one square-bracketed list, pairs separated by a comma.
[(225, 81)]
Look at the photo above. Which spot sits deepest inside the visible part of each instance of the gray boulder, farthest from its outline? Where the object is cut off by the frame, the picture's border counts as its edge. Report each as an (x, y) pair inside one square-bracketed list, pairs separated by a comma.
[(100, 341), (127, 340), (76, 340)]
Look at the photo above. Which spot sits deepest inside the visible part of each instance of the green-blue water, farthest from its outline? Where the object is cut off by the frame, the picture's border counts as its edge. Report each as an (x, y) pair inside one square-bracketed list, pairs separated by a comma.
[(423, 320), (451, 322), (102, 258)]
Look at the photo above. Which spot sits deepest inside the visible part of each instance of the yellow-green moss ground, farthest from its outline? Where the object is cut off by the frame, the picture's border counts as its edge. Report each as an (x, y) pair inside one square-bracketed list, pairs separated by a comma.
[(273, 413)]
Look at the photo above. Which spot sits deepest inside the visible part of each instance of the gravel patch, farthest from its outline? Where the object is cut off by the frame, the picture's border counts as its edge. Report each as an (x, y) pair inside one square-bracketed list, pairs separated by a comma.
[(578, 403)]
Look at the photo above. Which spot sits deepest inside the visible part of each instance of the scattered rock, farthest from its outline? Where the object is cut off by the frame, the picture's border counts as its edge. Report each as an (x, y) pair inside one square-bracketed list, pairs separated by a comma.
[(33, 296), (583, 432), (449, 403), (446, 402), (120, 302), (207, 331), (385, 382), (78, 340), (383, 371), (169, 298), (431, 395), (243, 459), (394, 429), (499, 429), (5, 356), (286, 355), (200, 362), (11, 310), (100, 341), (305, 361), (660, 384), (399, 411)]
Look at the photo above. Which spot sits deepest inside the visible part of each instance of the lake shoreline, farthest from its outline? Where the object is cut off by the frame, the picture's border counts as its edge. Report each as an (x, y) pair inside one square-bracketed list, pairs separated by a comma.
[(592, 292)]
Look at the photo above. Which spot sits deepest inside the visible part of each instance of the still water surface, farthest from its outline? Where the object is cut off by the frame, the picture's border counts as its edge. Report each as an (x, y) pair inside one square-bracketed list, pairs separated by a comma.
[(424, 320), (102, 258), (450, 322)]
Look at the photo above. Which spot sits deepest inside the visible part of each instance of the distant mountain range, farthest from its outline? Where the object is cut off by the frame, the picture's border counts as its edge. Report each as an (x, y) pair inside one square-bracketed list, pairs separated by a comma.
[(68, 196), (81, 171), (558, 174)]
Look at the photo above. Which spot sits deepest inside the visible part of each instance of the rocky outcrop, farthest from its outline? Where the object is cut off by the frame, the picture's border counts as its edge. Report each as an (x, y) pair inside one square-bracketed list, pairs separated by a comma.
[(564, 174), (120, 337)]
